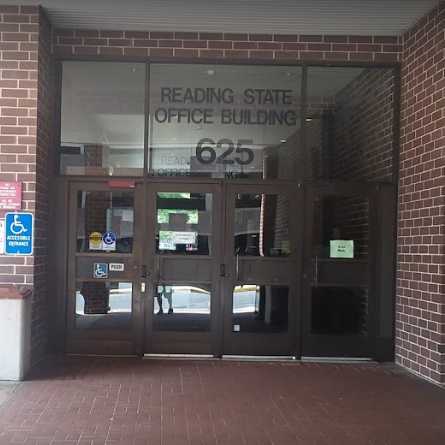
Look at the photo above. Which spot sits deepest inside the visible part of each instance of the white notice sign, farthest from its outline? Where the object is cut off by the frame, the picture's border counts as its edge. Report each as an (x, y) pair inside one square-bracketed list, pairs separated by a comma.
[(168, 239), (341, 248), (116, 267), (185, 237)]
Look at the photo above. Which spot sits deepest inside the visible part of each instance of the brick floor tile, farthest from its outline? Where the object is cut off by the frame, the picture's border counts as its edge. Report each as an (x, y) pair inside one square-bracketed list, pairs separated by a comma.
[(136, 402)]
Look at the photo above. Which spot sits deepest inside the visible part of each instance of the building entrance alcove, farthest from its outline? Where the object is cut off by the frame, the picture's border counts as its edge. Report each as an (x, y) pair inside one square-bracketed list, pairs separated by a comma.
[(239, 210)]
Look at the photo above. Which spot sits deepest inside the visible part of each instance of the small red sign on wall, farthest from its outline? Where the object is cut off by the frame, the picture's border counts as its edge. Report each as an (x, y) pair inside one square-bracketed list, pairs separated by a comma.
[(10, 195)]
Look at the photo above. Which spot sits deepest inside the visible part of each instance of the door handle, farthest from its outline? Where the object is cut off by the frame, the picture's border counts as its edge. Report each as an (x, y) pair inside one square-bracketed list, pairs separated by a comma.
[(237, 267), (316, 271)]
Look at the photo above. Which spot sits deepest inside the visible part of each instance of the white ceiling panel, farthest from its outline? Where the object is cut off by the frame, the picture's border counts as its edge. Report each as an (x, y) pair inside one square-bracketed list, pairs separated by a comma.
[(354, 17)]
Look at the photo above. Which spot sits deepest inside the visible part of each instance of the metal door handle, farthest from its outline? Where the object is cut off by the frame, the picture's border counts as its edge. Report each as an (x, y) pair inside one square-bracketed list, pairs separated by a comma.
[(237, 267), (316, 271)]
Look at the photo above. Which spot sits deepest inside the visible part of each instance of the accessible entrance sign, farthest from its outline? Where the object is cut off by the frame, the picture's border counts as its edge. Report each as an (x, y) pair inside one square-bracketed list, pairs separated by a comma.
[(19, 233)]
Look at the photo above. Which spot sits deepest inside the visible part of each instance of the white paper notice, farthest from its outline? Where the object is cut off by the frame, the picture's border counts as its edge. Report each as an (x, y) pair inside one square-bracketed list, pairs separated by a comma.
[(185, 237)]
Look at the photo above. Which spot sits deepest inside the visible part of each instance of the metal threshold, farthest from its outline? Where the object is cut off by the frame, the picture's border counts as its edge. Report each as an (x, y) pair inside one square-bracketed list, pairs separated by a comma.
[(308, 359), (257, 358), (180, 356), (260, 358), (75, 354)]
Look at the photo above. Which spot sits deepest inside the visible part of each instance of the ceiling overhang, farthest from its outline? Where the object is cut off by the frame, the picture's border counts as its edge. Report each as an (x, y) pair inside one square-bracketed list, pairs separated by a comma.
[(351, 17)]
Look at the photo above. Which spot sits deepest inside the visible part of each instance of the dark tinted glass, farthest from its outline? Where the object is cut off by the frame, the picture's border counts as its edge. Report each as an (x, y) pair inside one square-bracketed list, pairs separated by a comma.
[(339, 311), (341, 227), (350, 123)]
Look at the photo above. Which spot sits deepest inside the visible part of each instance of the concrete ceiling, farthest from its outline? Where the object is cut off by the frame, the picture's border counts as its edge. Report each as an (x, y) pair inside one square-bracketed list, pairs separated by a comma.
[(354, 17)]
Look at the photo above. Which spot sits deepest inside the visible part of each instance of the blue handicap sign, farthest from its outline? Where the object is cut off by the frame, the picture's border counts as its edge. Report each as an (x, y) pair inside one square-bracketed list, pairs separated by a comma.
[(100, 270), (19, 233), (109, 238)]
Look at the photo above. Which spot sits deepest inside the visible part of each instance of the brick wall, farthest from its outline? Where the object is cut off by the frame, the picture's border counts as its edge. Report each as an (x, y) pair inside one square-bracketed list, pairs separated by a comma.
[(24, 143), (25, 136), (44, 171), (420, 318), (185, 45)]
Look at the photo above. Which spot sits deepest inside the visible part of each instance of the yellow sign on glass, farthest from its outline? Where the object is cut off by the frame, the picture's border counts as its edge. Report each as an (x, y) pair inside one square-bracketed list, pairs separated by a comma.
[(95, 241)]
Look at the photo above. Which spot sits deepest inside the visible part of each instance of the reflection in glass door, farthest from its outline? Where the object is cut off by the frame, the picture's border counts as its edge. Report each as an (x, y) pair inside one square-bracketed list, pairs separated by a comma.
[(183, 250), (104, 305), (339, 295), (260, 303)]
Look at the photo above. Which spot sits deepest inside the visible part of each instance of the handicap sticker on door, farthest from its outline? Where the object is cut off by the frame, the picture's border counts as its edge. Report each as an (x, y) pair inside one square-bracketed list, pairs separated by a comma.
[(100, 270), (19, 232), (109, 241)]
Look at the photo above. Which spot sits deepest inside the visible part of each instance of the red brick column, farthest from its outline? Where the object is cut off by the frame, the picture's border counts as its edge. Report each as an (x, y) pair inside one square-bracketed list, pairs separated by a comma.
[(25, 133), (420, 323)]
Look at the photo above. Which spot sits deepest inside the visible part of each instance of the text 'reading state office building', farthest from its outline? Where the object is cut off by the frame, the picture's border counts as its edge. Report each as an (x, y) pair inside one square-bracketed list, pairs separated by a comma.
[(242, 178)]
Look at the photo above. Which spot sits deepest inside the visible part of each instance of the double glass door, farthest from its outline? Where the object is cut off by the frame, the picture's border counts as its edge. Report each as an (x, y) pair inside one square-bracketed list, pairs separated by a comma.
[(221, 260)]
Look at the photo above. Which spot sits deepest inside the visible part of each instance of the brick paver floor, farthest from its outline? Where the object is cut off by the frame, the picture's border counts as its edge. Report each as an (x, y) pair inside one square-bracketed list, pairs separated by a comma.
[(84, 401)]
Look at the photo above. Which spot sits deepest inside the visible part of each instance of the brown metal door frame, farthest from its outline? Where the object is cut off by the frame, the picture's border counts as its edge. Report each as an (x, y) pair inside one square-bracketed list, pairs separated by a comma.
[(107, 341), (222, 258), (176, 342), (337, 345), (284, 344)]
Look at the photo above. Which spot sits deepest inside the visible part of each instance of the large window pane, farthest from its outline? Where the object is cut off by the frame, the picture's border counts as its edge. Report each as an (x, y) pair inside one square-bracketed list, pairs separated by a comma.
[(261, 225), (105, 221), (225, 121), (341, 227), (339, 311), (350, 123), (102, 118), (260, 308), (184, 223), (103, 305), (181, 307)]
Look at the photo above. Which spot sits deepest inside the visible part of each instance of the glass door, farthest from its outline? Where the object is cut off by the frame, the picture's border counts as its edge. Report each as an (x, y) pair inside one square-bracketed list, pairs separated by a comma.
[(339, 294), (183, 263), (104, 299), (262, 251)]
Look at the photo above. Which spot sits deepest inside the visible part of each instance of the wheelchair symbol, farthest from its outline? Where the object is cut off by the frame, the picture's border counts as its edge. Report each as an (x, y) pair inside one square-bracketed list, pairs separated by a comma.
[(100, 270), (17, 227), (109, 238)]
